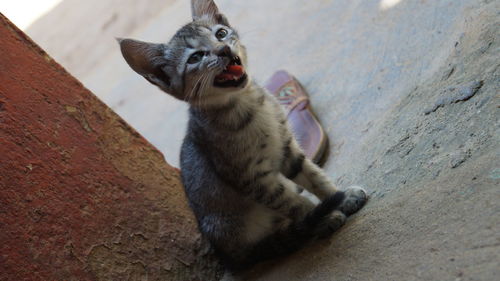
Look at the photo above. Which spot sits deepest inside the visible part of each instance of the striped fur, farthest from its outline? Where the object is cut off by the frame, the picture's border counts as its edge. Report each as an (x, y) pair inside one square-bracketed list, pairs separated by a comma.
[(242, 169)]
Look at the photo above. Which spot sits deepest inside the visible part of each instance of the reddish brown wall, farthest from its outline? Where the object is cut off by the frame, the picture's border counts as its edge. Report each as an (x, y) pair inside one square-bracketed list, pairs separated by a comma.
[(82, 195)]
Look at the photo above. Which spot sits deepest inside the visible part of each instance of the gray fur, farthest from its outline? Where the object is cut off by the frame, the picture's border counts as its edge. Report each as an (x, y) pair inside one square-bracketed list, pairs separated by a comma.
[(241, 167)]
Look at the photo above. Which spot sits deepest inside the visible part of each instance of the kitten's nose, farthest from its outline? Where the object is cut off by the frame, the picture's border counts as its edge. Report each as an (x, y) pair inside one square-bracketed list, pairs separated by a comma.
[(224, 51)]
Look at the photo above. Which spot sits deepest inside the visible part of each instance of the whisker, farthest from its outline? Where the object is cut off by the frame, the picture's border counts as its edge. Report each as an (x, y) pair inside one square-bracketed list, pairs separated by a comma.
[(204, 86), (212, 64), (190, 95), (200, 82), (208, 81), (199, 89)]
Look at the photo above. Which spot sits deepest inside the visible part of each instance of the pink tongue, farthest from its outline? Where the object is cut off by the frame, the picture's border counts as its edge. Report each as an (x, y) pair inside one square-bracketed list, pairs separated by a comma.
[(231, 71), (236, 70)]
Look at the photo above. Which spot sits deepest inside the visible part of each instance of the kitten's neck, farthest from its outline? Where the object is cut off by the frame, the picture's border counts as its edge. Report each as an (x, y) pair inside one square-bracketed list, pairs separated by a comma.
[(232, 111), (223, 101)]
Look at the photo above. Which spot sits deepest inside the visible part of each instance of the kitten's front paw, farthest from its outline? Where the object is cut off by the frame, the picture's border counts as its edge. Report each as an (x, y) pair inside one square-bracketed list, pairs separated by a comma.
[(330, 224), (355, 199)]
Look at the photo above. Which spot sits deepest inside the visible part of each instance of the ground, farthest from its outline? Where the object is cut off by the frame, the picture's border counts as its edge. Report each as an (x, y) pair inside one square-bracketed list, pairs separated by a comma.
[(408, 95)]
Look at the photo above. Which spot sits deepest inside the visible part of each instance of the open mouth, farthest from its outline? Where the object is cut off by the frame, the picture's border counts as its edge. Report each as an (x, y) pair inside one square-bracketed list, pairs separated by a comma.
[(233, 75)]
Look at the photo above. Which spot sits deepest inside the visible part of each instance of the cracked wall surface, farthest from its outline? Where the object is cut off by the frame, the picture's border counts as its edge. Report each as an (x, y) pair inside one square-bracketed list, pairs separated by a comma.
[(82, 195)]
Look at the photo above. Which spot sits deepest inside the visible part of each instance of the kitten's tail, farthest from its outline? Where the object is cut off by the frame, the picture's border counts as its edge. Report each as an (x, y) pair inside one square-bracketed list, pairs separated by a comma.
[(293, 238)]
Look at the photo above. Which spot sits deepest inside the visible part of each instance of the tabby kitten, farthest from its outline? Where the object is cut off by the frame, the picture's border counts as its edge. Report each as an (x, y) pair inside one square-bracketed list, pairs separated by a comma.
[(242, 169)]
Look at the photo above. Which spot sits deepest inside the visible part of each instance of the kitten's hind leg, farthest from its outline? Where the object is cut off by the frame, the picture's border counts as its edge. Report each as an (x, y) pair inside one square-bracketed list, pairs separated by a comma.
[(313, 178), (330, 224), (305, 173), (355, 196), (320, 222), (310, 176), (278, 193), (355, 199)]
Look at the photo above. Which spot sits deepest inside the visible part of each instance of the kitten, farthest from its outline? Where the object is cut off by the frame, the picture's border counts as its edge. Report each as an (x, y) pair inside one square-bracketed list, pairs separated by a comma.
[(242, 169)]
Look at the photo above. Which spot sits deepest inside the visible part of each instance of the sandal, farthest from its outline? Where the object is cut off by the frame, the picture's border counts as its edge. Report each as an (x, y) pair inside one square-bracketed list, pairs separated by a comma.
[(304, 124)]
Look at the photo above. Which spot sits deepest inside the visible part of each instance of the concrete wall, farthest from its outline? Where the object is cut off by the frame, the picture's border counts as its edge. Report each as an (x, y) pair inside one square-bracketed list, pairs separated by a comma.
[(82, 195)]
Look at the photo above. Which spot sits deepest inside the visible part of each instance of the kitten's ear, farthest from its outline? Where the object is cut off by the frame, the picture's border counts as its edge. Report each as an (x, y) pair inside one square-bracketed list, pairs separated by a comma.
[(206, 9), (147, 59)]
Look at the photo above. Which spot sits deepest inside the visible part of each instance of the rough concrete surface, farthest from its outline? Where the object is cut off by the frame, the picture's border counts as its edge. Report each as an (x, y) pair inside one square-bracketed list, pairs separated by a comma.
[(408, 95), (82, 195)]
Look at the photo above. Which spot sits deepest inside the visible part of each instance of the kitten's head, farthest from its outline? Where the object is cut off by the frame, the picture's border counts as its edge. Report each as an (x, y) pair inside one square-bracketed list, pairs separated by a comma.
[(202, 63)]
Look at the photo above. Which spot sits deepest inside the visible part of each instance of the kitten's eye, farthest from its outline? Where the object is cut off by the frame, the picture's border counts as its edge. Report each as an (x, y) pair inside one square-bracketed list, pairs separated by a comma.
[(221, 33), (196, 57)]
